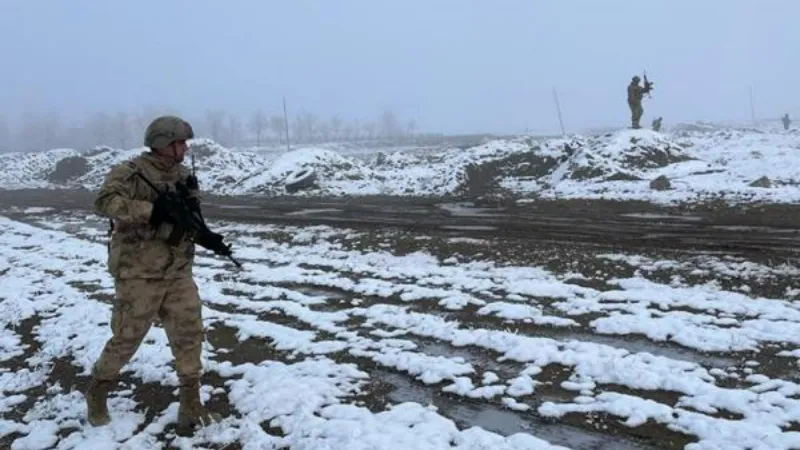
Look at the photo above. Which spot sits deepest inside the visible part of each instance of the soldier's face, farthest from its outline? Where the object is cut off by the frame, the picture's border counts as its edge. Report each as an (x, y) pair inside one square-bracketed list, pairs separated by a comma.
[(177, 151)]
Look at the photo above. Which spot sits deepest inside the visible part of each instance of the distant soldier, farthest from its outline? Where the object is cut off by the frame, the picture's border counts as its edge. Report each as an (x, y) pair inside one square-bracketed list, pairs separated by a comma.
[(635, 96), (657, 124), (786, 121)]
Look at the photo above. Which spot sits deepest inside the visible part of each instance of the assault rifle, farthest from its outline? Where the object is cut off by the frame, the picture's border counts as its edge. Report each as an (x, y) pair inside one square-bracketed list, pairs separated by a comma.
[(186, 215), (648, 85)]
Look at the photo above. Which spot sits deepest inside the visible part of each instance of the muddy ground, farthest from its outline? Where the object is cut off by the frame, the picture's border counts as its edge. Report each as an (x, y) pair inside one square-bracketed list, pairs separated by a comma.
[(751, 228), (562, 236)]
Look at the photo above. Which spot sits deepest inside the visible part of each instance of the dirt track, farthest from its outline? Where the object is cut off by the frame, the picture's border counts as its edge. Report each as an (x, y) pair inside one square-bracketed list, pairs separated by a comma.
[(752, 230)]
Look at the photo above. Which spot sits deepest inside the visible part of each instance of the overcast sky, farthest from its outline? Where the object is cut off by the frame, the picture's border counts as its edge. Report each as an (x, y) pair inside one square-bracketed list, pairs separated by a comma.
[(453, 65)]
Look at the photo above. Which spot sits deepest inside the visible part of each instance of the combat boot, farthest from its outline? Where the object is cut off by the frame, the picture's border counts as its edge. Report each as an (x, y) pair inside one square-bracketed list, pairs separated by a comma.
[(191, 411), (97, 401)]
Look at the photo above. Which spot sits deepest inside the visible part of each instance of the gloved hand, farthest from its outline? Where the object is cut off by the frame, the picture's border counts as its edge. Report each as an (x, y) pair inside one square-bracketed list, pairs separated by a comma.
[(193, 204), (191, 183), (162, 207), (213, 242)]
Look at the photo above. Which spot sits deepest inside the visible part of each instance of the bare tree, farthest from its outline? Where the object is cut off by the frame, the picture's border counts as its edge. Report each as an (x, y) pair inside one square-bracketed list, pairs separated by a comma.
[(121, 126), (5, 136), (306, 127), (411, 126), (277, 125), (100, 127), (51, 131), (234, 130), (336, 123), (348, 132), (355, 130), (39, 132), (28, 136), (323, 131), (370, 130), (215, 121), (75, 136), (389, 125), (140, 121), (258, 124)]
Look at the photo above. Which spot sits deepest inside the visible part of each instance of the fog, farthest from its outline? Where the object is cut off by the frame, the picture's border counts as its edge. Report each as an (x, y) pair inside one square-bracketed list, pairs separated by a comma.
[(79, 72)]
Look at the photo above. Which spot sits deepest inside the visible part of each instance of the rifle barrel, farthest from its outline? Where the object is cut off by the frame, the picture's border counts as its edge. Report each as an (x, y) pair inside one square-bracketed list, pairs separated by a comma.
[(238, 264)]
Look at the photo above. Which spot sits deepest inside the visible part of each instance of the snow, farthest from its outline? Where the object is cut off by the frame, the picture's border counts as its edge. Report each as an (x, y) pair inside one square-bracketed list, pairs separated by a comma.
[(402, 303), (700, 163), (76, 327)]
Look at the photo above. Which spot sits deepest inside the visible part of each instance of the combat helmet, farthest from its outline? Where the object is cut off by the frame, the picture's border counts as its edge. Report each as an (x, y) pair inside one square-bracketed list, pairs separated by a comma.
[(636, 79), (165, 130)]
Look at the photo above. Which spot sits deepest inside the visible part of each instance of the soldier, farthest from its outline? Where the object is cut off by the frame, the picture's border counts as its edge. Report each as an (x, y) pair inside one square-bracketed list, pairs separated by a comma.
[(635, 95), (152, 279), (786, 121), (657, 124)]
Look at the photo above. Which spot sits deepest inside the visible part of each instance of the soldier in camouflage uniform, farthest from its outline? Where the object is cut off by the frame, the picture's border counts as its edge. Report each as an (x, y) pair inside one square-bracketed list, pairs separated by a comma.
[(153, 280), (635, 96)]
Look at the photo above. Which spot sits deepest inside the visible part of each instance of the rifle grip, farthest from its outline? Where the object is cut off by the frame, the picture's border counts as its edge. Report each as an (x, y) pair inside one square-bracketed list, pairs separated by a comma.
[(175, 236)]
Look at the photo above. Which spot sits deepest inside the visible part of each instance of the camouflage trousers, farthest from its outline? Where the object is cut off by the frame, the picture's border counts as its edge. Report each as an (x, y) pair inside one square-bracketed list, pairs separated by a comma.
[(636, 114), (175, 302)]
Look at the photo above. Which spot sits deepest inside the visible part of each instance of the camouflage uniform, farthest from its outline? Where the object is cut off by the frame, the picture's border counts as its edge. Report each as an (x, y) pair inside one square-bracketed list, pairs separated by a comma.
[(635, 96), (153, 280), (786, 121)]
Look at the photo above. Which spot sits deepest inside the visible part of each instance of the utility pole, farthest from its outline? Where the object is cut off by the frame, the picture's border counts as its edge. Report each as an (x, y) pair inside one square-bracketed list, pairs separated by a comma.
[(752, 107), (286, 125), (558, 110)]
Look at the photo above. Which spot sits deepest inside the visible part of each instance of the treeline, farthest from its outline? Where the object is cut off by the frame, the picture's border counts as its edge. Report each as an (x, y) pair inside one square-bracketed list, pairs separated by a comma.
[(35, 132)]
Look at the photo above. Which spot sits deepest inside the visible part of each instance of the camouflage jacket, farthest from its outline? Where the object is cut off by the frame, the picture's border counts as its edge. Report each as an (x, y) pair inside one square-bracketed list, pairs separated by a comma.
[(137, 249), (636, 93)]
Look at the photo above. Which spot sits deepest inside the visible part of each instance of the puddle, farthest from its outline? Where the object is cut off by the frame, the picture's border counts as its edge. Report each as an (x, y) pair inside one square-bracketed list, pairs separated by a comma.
[(467, 210), (755, 228), (303, 212), (640, 345), (468, 227), (633, 344), (496, 419), (663, 216), (658, 235), (314, 291), (482, 361), (221, 206), (403, 209)]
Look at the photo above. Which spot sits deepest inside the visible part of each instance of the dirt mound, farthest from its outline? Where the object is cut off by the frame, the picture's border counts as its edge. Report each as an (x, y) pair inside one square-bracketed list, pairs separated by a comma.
[(699, 126), (623, 156), (661, 183), (97, 151), (763, 182), (203, 148), (483, 178), (68, 169)]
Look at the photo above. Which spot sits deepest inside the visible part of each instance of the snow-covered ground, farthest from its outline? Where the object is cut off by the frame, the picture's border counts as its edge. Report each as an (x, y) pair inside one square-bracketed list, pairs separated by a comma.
[(700, 351), (699, 163)]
